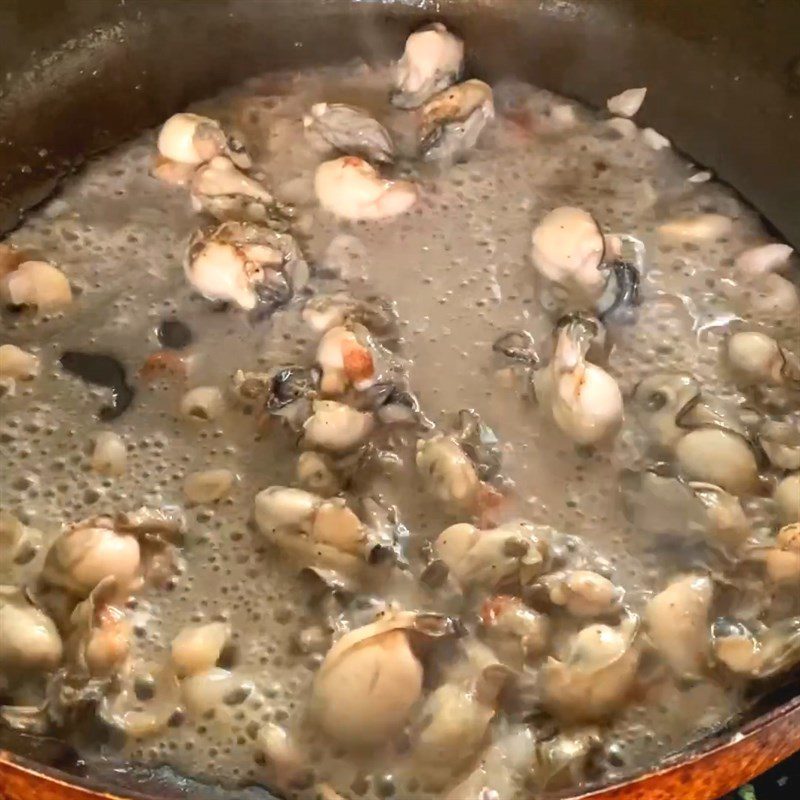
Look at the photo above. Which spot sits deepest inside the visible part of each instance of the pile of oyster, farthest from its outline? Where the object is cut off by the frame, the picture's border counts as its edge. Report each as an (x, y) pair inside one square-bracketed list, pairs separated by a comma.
[(528, 640)]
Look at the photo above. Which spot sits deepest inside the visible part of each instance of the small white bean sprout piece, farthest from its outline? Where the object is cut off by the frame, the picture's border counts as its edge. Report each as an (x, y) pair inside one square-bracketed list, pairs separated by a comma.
[(760, 261), (432, 60), (626, 128), (206, 691), (677, 623), (36, 283), (208, 486), (627, 103), (701, 228), (197, 648), (17, 364), (202, 404), (286, 764), (787, 498), (336, 427), (110, 454), (344, 361), (654, 140), (352, 189)]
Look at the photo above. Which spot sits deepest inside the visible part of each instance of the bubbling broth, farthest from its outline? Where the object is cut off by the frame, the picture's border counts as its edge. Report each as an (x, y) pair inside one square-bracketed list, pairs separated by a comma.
[(444, 445)]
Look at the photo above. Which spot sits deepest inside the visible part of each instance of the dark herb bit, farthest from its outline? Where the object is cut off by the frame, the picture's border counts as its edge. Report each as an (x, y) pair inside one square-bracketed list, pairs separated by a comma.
[(174, 334), (101, 370)]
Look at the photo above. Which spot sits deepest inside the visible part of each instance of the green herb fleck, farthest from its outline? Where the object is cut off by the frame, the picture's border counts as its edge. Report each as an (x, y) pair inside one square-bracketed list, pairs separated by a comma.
[(747, 792)]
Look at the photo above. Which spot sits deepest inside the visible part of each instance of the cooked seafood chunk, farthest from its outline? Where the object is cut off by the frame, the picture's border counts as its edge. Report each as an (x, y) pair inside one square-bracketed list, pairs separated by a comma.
[(568, 247), (454, 722), (447, 471), (350, 130), (677, 623), (515, 631), (787, 498), (760, 653), (101, 547), (192, 139), (667, 505), (433, 59), (758, 358), (17, 364), (243, 263), (336, 427), (585, 401), (37, 284), (352, 189), (595, 674), (708, 440), (30, 639), (583, 593), (516, 552), (225, 192), (345, 357), (371, 679), (453, 120)]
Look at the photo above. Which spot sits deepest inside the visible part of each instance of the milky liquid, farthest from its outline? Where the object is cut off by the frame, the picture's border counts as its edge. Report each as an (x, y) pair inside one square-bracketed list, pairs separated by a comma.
[(457, 267)]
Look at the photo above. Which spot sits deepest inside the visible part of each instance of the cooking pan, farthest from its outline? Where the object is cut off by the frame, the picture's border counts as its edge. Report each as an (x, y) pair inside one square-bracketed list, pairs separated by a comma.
[(80, 76)]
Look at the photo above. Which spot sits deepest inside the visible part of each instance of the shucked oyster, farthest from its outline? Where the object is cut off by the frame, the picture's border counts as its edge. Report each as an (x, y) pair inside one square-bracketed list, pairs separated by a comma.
[(585, 270), (433, 59), (245, 264), (351, 131), (594, 676), (453, 120), (371, 679), (662, 504), (584, 399), (708, 440)]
